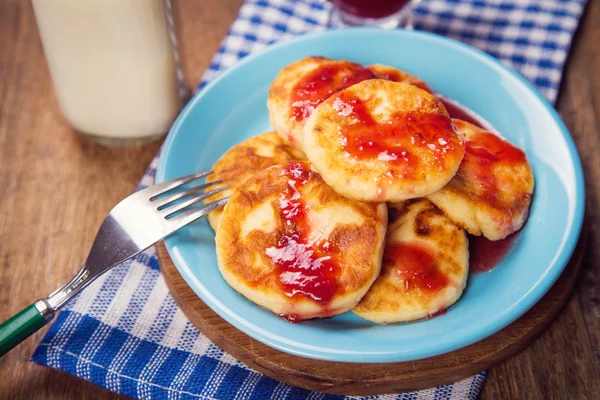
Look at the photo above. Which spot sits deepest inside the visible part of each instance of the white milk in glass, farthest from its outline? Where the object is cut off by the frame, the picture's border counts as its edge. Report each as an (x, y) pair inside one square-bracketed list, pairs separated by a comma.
[(112, 66)]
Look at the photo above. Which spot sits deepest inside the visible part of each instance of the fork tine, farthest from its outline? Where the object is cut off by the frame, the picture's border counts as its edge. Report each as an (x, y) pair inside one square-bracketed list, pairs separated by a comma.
[(163, 201), (195, 213), (192, 200), (164, 187)]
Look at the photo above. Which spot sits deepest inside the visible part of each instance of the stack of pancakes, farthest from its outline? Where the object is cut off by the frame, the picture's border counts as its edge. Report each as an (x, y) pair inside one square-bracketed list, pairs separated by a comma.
[(363, 196)]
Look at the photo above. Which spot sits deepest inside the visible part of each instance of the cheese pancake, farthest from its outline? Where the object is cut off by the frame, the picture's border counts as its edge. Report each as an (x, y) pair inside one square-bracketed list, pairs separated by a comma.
[(289, 243), (425, 266), (301, 86), (383, 141), (397, 75), (244, 160), (491, 192)]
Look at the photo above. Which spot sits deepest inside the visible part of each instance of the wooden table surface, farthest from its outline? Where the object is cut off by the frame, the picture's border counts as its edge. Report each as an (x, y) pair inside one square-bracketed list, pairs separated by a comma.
[(55, 188)]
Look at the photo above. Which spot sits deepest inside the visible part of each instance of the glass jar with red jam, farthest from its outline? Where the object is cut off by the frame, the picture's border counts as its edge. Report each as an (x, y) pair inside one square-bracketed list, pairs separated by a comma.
[(383, 13)]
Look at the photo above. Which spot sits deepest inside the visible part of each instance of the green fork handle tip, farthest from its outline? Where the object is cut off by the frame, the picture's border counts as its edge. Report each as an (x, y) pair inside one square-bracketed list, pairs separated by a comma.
[(22, 325)]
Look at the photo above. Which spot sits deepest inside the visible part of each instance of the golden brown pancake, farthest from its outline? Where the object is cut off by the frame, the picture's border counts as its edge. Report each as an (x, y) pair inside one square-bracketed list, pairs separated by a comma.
[(397, 75), (302, 86), (244, 160), (491, 192), (292, 245), (383, 141), (425, 266)]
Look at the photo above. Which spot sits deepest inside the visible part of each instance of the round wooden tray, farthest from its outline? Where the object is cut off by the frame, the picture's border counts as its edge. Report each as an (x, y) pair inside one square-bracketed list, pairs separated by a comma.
[(370, 379)]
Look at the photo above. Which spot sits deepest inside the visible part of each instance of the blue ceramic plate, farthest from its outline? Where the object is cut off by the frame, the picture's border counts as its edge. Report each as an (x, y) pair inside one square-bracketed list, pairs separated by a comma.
[(232, 108)]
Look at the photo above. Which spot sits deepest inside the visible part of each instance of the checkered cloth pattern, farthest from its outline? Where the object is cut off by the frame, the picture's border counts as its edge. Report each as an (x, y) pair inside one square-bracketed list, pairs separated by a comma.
[(125, 332)]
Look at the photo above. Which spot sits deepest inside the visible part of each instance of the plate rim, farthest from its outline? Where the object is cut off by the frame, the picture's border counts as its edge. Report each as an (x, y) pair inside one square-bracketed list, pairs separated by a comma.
[(544, 283)]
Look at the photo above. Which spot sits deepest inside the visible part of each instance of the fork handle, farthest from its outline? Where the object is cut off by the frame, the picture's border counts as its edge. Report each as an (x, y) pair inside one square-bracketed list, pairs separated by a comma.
[(24, 324)]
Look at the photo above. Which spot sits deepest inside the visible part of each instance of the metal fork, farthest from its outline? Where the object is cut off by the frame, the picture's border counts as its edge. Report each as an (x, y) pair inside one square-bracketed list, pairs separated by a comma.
[(133, 225)]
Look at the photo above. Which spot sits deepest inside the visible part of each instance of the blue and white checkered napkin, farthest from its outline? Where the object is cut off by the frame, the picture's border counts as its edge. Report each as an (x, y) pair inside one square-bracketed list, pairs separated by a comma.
[(125, 332)]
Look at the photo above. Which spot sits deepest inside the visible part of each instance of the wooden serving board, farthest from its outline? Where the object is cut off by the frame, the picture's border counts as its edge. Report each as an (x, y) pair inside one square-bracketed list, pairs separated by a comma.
[(370, 379)]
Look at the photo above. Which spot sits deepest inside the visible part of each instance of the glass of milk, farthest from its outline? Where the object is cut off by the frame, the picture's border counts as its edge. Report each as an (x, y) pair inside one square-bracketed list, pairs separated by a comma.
[(112, 65)]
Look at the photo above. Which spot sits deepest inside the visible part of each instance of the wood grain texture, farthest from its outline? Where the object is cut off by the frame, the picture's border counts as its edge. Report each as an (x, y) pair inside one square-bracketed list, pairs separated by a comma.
[(371, 379), (55, 188)]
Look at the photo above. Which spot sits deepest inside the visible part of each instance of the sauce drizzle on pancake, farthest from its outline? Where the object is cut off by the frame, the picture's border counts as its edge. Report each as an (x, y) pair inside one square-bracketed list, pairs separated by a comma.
[(399, 141), (483, 154), (485, 254), (415, 264), (321, 83), (305, 266)]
